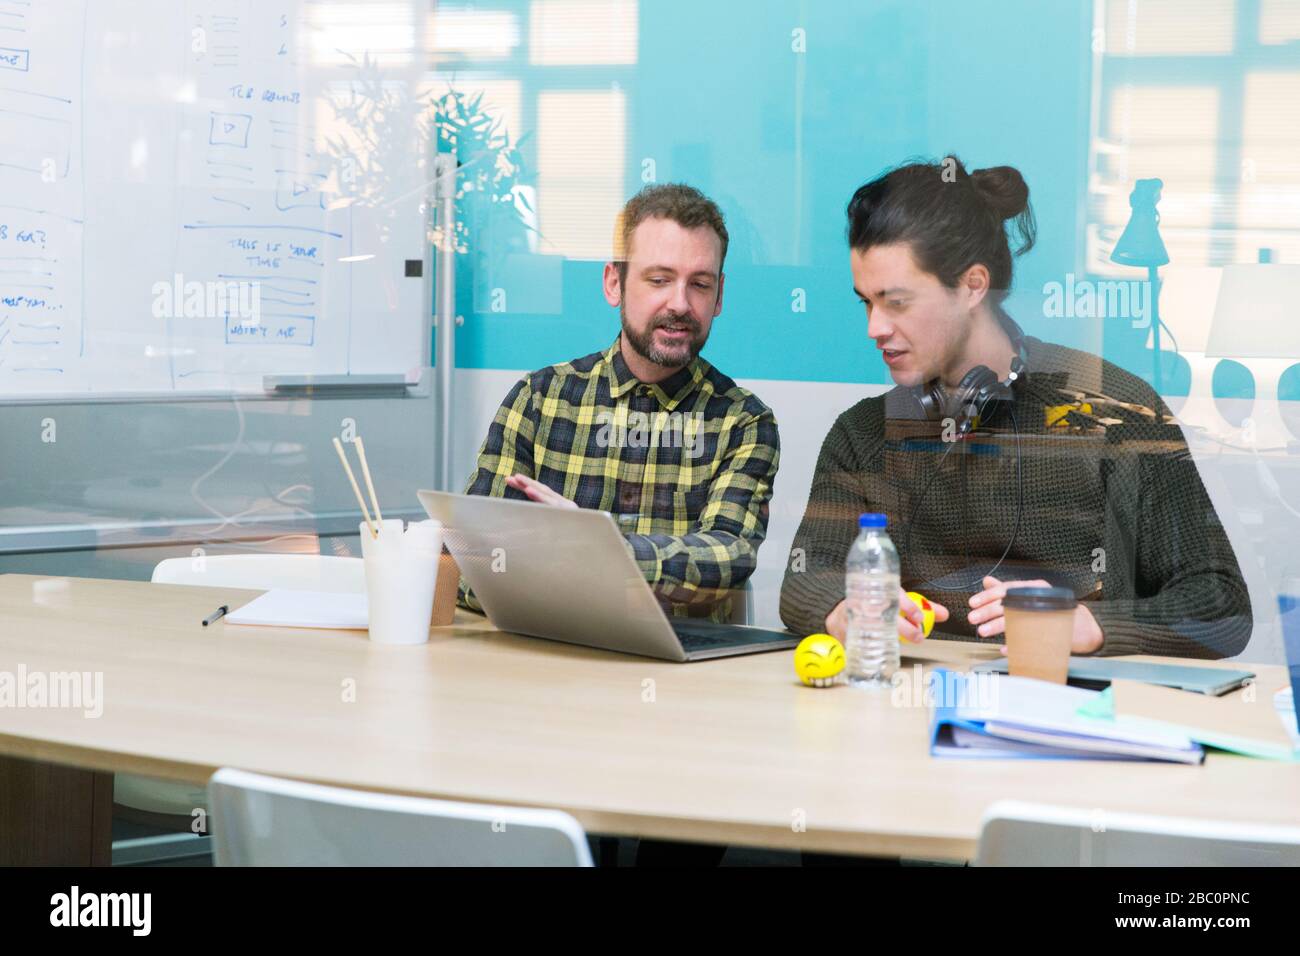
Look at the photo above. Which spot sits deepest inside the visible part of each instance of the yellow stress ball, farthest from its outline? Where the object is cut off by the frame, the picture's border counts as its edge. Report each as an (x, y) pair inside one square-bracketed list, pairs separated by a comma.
[(817, 659), (927, 613)]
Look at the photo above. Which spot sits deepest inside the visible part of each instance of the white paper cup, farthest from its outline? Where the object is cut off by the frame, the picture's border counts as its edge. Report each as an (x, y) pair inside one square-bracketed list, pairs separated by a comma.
[(401, 573)]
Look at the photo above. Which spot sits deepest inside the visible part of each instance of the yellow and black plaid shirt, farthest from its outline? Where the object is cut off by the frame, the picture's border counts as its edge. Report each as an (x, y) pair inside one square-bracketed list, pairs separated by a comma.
[(685, 466)]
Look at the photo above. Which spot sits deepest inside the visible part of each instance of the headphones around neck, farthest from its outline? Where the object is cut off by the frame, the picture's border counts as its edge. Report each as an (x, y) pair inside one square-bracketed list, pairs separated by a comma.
[(980, 397)]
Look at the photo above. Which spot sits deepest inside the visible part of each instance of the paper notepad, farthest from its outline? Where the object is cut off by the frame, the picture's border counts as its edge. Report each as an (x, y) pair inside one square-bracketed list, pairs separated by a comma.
[(1248, 725), (281, 607)]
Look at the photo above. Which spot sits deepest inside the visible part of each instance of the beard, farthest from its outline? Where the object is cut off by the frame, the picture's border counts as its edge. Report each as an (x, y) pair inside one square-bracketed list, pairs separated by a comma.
[(672, 357)]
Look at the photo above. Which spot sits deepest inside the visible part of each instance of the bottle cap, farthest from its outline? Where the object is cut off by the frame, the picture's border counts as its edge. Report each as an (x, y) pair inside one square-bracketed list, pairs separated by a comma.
[(873, 519)]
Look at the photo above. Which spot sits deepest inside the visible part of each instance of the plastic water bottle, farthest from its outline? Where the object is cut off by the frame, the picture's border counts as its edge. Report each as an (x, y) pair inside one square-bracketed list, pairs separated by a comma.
[(871, 602)]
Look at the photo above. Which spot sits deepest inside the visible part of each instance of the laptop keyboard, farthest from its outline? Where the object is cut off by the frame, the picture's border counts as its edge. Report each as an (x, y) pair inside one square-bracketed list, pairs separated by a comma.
[(698, 635)]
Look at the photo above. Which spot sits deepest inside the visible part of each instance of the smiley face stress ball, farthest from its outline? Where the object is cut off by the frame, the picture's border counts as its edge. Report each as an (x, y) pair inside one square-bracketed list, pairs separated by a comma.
[(818, 659)]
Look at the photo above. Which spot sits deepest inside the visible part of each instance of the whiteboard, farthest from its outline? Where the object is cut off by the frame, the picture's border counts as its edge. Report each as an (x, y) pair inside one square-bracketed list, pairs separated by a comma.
[(196, 194)]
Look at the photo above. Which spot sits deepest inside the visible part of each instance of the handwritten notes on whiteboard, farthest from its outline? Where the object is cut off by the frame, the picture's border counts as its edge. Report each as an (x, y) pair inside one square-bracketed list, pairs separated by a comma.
[(175, 213)]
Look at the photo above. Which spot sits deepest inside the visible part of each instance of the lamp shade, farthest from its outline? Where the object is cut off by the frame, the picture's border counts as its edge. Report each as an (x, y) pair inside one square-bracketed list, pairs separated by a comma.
[(1257, 314), (1140, 243)]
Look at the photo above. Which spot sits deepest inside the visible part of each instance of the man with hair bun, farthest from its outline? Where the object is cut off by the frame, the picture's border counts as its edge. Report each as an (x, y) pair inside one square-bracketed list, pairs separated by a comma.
[(1001, 459)]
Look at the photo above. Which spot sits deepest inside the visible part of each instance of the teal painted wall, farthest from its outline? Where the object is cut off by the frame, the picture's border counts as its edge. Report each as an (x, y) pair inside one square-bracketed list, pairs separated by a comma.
[(780, 139)]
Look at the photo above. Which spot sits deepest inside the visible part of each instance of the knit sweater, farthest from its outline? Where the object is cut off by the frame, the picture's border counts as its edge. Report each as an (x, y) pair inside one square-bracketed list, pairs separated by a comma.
[(1113, 510)]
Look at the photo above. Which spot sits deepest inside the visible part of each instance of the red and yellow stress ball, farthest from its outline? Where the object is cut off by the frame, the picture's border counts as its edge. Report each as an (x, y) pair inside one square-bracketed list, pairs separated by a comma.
[(927, 613)]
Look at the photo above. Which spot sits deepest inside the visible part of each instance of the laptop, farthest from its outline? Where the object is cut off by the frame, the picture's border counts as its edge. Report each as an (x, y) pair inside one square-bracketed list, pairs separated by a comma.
[(1096, 673), (566, 574)]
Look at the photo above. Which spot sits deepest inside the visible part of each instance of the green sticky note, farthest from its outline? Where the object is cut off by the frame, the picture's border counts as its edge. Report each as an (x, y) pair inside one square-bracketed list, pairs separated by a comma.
[(1101, 707)]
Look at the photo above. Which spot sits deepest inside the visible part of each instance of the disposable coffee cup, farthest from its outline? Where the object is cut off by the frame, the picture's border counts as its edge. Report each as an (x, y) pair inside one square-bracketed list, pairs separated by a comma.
[(401, 575), (446, 591), (1039, 627)]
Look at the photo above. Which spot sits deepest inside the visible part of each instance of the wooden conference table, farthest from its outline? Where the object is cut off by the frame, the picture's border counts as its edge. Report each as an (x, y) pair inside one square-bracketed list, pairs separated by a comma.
[(730, 751)]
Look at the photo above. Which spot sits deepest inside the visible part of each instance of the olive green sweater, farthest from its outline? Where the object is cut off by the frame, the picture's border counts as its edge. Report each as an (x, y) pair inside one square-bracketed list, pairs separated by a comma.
[(1115, 511)]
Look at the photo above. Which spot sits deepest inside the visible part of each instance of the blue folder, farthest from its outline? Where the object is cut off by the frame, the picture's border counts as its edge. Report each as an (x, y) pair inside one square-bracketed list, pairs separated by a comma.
[(955, 733)]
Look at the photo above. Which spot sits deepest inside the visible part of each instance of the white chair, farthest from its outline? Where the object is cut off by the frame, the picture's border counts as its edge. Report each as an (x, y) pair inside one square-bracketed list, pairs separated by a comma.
[(266, 821), (171, 805), (1028, 834)]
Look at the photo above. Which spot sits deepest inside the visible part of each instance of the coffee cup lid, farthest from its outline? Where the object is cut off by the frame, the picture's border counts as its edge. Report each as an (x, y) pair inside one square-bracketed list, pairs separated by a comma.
[(1040, 599)]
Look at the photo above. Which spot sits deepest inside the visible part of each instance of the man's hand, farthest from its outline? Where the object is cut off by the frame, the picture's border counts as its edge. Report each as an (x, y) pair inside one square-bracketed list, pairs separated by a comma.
[(837, 622), (539, 492), (911, 626), (910, 623), (986, 612)]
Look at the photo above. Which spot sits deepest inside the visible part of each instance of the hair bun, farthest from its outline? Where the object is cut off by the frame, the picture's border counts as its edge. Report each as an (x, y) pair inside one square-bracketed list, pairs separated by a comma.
[(1003, 189), (1006, 193), (950, 219)]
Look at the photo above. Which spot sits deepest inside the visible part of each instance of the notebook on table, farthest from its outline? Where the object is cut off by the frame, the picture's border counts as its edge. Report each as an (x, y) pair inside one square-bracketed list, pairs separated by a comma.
[(994, 716), (281, 607)]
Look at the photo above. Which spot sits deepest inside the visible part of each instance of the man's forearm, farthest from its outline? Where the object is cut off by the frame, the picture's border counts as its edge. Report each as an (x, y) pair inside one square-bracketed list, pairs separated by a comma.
[(814, 571), (1186, 597), (697, 568), (809, 596), (1205, 616)]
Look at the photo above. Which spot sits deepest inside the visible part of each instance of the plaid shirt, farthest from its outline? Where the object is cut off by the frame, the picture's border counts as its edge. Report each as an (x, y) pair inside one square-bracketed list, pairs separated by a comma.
[(685, 466)]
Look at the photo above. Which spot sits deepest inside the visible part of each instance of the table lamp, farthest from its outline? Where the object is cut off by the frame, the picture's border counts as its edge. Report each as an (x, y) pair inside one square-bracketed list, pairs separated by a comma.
[(1257, 314), (1140, 245), (1255, 317)]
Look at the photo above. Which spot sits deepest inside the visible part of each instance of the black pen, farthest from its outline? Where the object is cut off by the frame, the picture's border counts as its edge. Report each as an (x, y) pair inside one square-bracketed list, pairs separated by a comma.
[(224, 609)]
